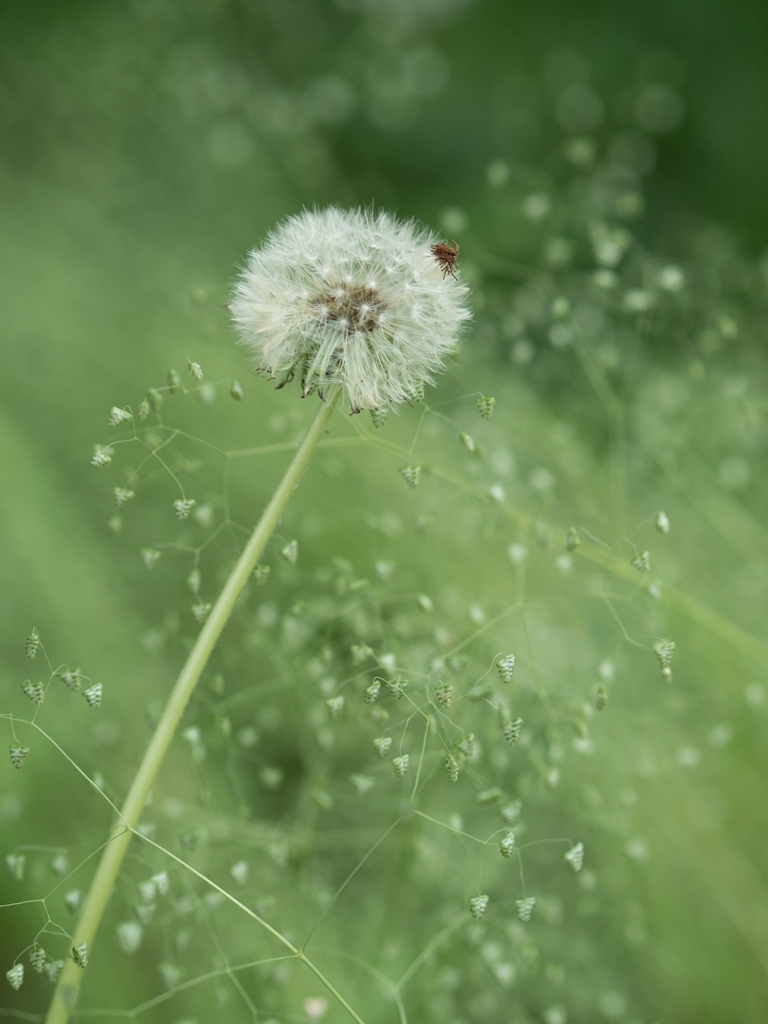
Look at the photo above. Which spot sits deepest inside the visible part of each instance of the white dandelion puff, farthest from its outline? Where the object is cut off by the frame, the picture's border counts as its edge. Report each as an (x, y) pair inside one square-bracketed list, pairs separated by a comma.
[(350, 297)]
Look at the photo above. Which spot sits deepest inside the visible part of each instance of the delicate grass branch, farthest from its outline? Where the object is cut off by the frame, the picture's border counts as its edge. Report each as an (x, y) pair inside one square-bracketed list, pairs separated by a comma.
[(68, 986)]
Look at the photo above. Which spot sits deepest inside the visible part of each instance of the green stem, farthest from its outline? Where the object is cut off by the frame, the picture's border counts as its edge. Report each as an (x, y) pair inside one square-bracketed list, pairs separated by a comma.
[(67, 989)]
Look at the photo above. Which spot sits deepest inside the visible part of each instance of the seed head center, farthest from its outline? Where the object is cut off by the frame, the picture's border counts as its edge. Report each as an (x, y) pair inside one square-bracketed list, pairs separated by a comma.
[(355, 308)]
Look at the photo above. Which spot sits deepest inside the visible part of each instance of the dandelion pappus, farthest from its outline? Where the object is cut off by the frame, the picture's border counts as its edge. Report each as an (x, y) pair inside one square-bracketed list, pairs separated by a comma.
[(446, 256)]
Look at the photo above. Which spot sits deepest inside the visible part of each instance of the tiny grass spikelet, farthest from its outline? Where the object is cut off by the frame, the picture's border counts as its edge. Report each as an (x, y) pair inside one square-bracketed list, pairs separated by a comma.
[(183, 506), (397, 687), (101, 457), (53, 969), (506, 667), (15, 976), (467, 745), (524, 908), (32, 643), (35, 691), (642, 562), (37, 958), (574, 857), (485, 406), (16, 863), (353, 298), (360, 653), (661, 522), (79, 954), (161, 882), (664, 651), (196, 370), (118, 416), (129, 936), (452, 768), (60, 864), (260, 574), (572, 539), (511, 730), (291, 552), (122, 496), (201, 611), (511, 812), (507, 845), (18, 754), (94, 695), (189, 840), (444, 695), (236, 391), (411, 475), (490, 796), (468, 442), (382, 744), (73, 901), (149, 556), (379, 416), (335, 705), (372, 691), (400, 764), (478, 906), (363, 783)]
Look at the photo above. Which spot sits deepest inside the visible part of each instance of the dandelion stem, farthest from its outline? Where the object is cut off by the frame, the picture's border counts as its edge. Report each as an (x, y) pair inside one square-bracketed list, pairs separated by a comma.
[(66, 993)]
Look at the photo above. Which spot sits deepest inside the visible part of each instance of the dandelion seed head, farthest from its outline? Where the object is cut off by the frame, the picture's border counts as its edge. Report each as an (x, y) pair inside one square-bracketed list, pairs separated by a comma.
[(353, 298)]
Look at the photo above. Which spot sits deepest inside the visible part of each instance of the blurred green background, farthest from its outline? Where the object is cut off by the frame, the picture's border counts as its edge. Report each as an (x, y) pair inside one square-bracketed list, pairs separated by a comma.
[(146, 147)]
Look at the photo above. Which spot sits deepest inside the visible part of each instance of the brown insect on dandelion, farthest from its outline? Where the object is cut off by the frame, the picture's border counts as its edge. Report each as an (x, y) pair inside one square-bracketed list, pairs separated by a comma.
[(446, 256)]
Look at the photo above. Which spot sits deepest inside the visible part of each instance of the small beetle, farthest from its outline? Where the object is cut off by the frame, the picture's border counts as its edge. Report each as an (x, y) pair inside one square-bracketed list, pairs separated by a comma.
[(446, 256)]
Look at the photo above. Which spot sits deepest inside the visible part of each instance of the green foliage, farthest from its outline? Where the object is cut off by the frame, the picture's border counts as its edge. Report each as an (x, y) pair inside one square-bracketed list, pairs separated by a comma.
[(443, 745)]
